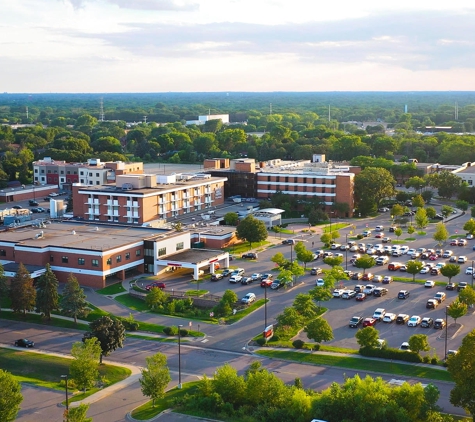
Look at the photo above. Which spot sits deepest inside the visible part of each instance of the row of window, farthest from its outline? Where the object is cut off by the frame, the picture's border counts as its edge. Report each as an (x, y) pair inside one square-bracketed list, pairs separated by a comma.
[(95, 262), (56, 172), (294, 179), (308, 188)]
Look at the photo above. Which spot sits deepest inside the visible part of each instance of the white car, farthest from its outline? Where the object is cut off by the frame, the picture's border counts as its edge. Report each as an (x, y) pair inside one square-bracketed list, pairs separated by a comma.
[(425, 270), (235, 279), (335, 246), (469, 270), (389, 317), (338, 292), (411, 252), (379, 228), (414, 321), (405, 346), (429, 283), (469, 236), (320, 282), (447, 254), (256, 276), (404, 249), (369, 289), (249, 298), (462, 259), (379, 314)]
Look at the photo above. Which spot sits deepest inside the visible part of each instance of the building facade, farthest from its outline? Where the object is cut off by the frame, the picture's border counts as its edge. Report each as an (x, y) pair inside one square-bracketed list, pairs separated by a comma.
[(138, 199)]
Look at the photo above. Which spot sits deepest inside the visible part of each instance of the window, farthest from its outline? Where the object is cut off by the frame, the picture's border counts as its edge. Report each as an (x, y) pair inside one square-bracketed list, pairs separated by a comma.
[(81, 261), (127, 255), (162, 251), (109, 261), (138, 252), (64, 259), (3, 252), (51, 258), (95, 262), (179, 246), (118, 258), (469, 182)]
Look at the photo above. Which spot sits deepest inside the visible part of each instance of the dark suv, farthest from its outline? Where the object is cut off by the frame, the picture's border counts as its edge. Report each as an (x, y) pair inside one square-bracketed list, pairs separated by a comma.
[(249, 255)]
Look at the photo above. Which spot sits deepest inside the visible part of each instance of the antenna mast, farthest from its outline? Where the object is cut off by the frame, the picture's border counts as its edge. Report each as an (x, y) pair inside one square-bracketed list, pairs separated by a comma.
[(101, 114), (270, 108), (26, 112), (329, 114), (145, 119), (456, 111)]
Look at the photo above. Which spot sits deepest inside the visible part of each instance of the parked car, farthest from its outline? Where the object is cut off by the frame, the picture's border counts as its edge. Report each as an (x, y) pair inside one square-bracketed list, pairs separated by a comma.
[(377, 279), (360, 296), (404, 346), (369, 322), (249, 255), (427, 322), (432, 304), (440, 297), (226, 273), (380, 291), (389, 317), (338, 292), (462, 285), (447, 254), (355, 321), (429, 283), (238, 271), (394, 266), (403, 294), (267, 276), (369, 289), (235, 279), (277, 284), (368, 277), (216, 276), (246, 280), (320, 282), (249, 298), (388, 279), (256, 276), (434, 271), (386, 240), (462, 242), (316, 271), (439, 323), (450, 286), (17, 207), (23, 342), (469, 270), (156, 284), (357, 276), (402, 319), (379, 313), (33, 203), (462, 259), (348, 294), (453, 258), (414, 321), (267, 282)]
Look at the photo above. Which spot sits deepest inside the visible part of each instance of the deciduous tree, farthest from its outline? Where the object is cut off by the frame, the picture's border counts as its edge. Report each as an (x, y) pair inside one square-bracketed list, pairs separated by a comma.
[(73, 302), (431, 212), (231, 218), (110, 333), (414, 267), (22, 291), (78, 413), (321, 294), (47, 297), (156, 298), (441, 233), (155, 377), (304, 305), (252, 230), (84, 367), (456, 309), (365, 262), (467, 296), (398, 232), (289, 318), (419, 343), (371, 186), (319, 330), (421, 218), (303, 254), (446, 210), (333, 261), (10, 396), (450, 270), (367, 337), (469, 226)]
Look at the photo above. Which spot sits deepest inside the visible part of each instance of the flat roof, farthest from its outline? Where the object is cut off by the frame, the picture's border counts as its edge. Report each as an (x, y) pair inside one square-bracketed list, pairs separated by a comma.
[(86, 236), (193, 256), (469, 169)]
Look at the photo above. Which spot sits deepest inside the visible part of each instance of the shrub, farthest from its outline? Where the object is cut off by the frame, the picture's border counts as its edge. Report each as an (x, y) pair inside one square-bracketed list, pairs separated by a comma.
[(434, 361), (261, 341), (298, 344), (390, 353), (426, 359), (171, 331), (129, 323), (184, 332), (360, 236)]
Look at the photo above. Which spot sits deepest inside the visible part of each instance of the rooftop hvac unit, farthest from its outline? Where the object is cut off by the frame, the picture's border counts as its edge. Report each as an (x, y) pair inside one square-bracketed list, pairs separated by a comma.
[(127, 186)]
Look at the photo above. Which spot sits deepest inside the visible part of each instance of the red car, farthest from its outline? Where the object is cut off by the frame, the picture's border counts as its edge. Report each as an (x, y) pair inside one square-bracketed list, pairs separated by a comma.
[(433, 257), (369, 322), (157, 284), (379, 235), (266, 282), (361, 296)]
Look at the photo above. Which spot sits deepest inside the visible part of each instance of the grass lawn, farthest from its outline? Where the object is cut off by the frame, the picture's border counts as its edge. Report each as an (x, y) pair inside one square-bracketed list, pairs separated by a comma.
[(159, 339), (242, 247), (147, 411), (410, 239), (421, 233), (45, 371), (196, 292), (132, 302), (246, 311), (334, 227), (38, 319), (386, 366), (113, 289), (457, 236)]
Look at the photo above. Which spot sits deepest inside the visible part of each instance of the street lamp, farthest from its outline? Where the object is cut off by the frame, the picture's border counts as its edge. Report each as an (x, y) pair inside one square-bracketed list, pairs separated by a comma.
[(346, 252), (291, 251), (446, 330), (331, 212), (265, 307), (179, 355), (65, 377), (472, 275)]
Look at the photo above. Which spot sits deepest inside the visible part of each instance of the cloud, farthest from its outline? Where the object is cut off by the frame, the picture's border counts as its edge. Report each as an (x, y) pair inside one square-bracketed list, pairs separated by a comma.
[(159, 5)]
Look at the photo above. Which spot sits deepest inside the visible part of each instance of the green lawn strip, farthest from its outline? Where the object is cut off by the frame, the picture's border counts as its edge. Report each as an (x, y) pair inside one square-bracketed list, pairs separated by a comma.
[(242, 247), (45, 370), (38, 319), (95, 313), (334, 226), (246, 311), (113, 289), (131, 302), (410, 239), (147, 411), (421, 233), (382, 366), (324, 348), (159, 339), (196, 292), (457, 236), (418, 281)]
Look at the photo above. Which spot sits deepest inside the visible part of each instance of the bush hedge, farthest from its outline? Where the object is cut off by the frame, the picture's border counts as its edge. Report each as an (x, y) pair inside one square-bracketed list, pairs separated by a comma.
[(390, 353), (173, 331), (298, 344)]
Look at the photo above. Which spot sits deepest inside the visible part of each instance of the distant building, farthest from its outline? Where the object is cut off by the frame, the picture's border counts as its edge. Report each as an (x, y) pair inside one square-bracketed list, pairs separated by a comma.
[(203, 119)]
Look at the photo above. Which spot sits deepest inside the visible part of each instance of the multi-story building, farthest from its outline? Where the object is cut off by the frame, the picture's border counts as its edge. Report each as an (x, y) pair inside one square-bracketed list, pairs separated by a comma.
[(94, 172), (137, 199), (94, 253), (327, 182)]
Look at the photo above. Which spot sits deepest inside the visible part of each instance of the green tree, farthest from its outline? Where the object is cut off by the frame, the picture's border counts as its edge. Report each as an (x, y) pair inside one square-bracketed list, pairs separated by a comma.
[(457, 309), (321, 294), (303, 254), (266, 389), (110, 333), (414, 267), (155, 377), (280, 260), (367, 337), (459, 367), (10, 396), (78, 414), (427, 196), (304, 305), (230, 386), (441, 233), (418, 201), (231, 218), (47, 297), (398, 232), (421, 218), (446, 210), (472, 212), (365, 262), (448, 184), (4, 289), (84, 367), (450, 270), (252, 230), (326, 239), (156, 298), (419, 343), (462, 205), (467, 296), (333, 261), (469, 226), (372, 185), (22, 292), (289, 318), (431, 212), (411, 229), (319, 330), (397, 210), (73, 301)]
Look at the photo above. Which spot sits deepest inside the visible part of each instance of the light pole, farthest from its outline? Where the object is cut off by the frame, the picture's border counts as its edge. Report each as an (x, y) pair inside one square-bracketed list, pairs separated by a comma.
[(265, 307), (179, 356), (446, 330), (65, 377), (346, 252), (291, 252)]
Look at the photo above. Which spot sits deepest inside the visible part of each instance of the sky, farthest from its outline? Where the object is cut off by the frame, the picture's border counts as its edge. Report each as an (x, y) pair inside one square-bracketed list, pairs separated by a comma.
[(102, 46)]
